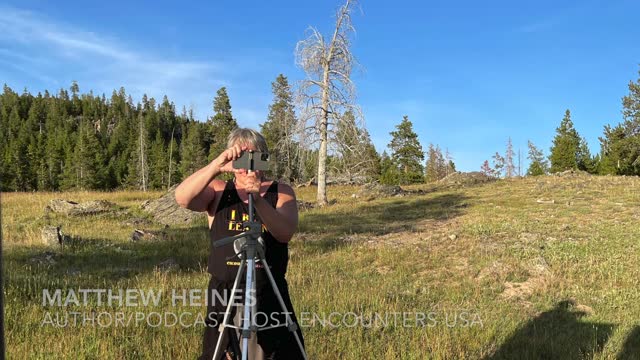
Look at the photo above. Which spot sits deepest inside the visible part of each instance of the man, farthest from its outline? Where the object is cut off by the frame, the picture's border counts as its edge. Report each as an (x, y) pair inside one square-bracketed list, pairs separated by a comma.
[(226, 204)]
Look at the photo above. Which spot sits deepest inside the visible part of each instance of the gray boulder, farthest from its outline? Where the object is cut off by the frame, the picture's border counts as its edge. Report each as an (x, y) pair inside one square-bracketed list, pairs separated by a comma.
[(166, 210), (51, 235), (72, 208)]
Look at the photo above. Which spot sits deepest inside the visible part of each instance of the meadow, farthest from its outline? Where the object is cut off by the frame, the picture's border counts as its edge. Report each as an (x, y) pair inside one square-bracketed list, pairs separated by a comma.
[(531, 268)]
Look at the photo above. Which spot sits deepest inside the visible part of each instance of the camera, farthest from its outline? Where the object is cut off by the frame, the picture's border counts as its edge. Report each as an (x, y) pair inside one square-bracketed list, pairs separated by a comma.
[(252, 160)]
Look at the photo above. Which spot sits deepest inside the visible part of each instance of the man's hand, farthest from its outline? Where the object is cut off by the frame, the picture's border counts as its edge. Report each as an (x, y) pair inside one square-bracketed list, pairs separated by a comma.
[(252, 186), (224, 161)]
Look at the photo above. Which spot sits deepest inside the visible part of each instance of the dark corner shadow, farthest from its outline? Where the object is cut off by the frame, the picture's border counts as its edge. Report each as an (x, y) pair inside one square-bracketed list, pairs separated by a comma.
[(556, 334), (84, 262), (326, 230), (631, 348)]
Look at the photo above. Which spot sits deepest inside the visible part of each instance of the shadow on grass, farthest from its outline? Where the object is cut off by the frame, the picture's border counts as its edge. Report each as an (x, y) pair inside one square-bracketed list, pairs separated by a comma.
[(631, 348), (84, 262), (327, 230), (556, 334)]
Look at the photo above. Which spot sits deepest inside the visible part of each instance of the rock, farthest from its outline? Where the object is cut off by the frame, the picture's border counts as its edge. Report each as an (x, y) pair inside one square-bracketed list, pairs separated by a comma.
[(72, 208), (166, 210), (60, 206), (168, 265), (453, 237), (144, 235), (51, 235), (544, 201)]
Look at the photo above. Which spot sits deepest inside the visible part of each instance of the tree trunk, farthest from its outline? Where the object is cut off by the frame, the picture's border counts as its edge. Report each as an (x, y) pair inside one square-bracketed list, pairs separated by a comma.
[(322, 155), (170, 158)]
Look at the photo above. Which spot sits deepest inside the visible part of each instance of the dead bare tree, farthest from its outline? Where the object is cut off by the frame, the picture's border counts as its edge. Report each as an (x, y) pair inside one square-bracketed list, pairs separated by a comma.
[(328, 91)]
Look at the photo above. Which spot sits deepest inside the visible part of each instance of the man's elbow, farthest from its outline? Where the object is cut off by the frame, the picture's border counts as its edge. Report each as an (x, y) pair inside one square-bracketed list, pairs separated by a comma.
[(181, 200), (286, 237)]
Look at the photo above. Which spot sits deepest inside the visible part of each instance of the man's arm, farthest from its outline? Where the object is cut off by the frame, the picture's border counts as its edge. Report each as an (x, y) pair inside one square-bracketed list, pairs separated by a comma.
[(196, 192), (282, 222)]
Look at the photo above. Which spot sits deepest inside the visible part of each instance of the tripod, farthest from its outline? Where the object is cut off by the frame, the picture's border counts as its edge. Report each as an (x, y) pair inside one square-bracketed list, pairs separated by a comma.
[(249, 249)]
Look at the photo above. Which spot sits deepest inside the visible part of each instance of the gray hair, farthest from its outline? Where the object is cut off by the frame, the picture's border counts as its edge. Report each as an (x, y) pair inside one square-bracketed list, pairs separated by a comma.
[(245, 136)]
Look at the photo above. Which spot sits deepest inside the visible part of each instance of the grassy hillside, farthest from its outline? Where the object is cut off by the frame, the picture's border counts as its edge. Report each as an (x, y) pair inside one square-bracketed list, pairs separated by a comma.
[(531, 268)]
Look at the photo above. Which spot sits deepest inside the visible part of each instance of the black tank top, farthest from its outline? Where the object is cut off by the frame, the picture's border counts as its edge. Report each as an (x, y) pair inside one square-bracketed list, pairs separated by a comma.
[(229, 216)]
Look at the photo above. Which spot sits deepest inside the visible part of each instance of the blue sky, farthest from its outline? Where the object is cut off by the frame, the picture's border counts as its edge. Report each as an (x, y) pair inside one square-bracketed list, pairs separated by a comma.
[(469, 74)]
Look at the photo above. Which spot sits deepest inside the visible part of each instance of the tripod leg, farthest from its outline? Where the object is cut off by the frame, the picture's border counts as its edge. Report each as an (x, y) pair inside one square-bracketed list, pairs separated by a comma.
[(249, 299), (227, 313), (293, 327)]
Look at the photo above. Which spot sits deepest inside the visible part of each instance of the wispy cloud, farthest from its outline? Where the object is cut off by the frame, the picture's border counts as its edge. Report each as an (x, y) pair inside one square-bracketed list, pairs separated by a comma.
[(39, 46)]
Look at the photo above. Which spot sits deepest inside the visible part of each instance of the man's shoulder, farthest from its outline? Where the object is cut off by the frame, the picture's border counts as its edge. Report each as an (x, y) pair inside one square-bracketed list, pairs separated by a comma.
[(218, 185)]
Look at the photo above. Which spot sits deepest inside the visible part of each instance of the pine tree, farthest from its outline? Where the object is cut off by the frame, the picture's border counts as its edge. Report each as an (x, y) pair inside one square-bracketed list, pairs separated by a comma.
[(538, 163), (498, 164), (76, 103), (452, 166), (19, 165), (69, 178), (631, 110), (192, 152), (583, 157), (406, 152), (389, 172), (221, 124), (371, 157), (612, 156), (87, 158), (620, 145), (565, 149), (279, 132), (54, 148), (158, 171), (431, 172), (441, 164)]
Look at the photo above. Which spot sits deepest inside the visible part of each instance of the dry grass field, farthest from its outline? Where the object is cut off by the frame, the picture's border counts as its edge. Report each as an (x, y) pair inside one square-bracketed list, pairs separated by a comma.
[(532, 268)]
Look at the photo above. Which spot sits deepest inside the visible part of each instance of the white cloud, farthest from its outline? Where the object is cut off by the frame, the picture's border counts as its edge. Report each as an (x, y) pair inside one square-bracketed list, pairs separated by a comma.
[(44, 49)]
